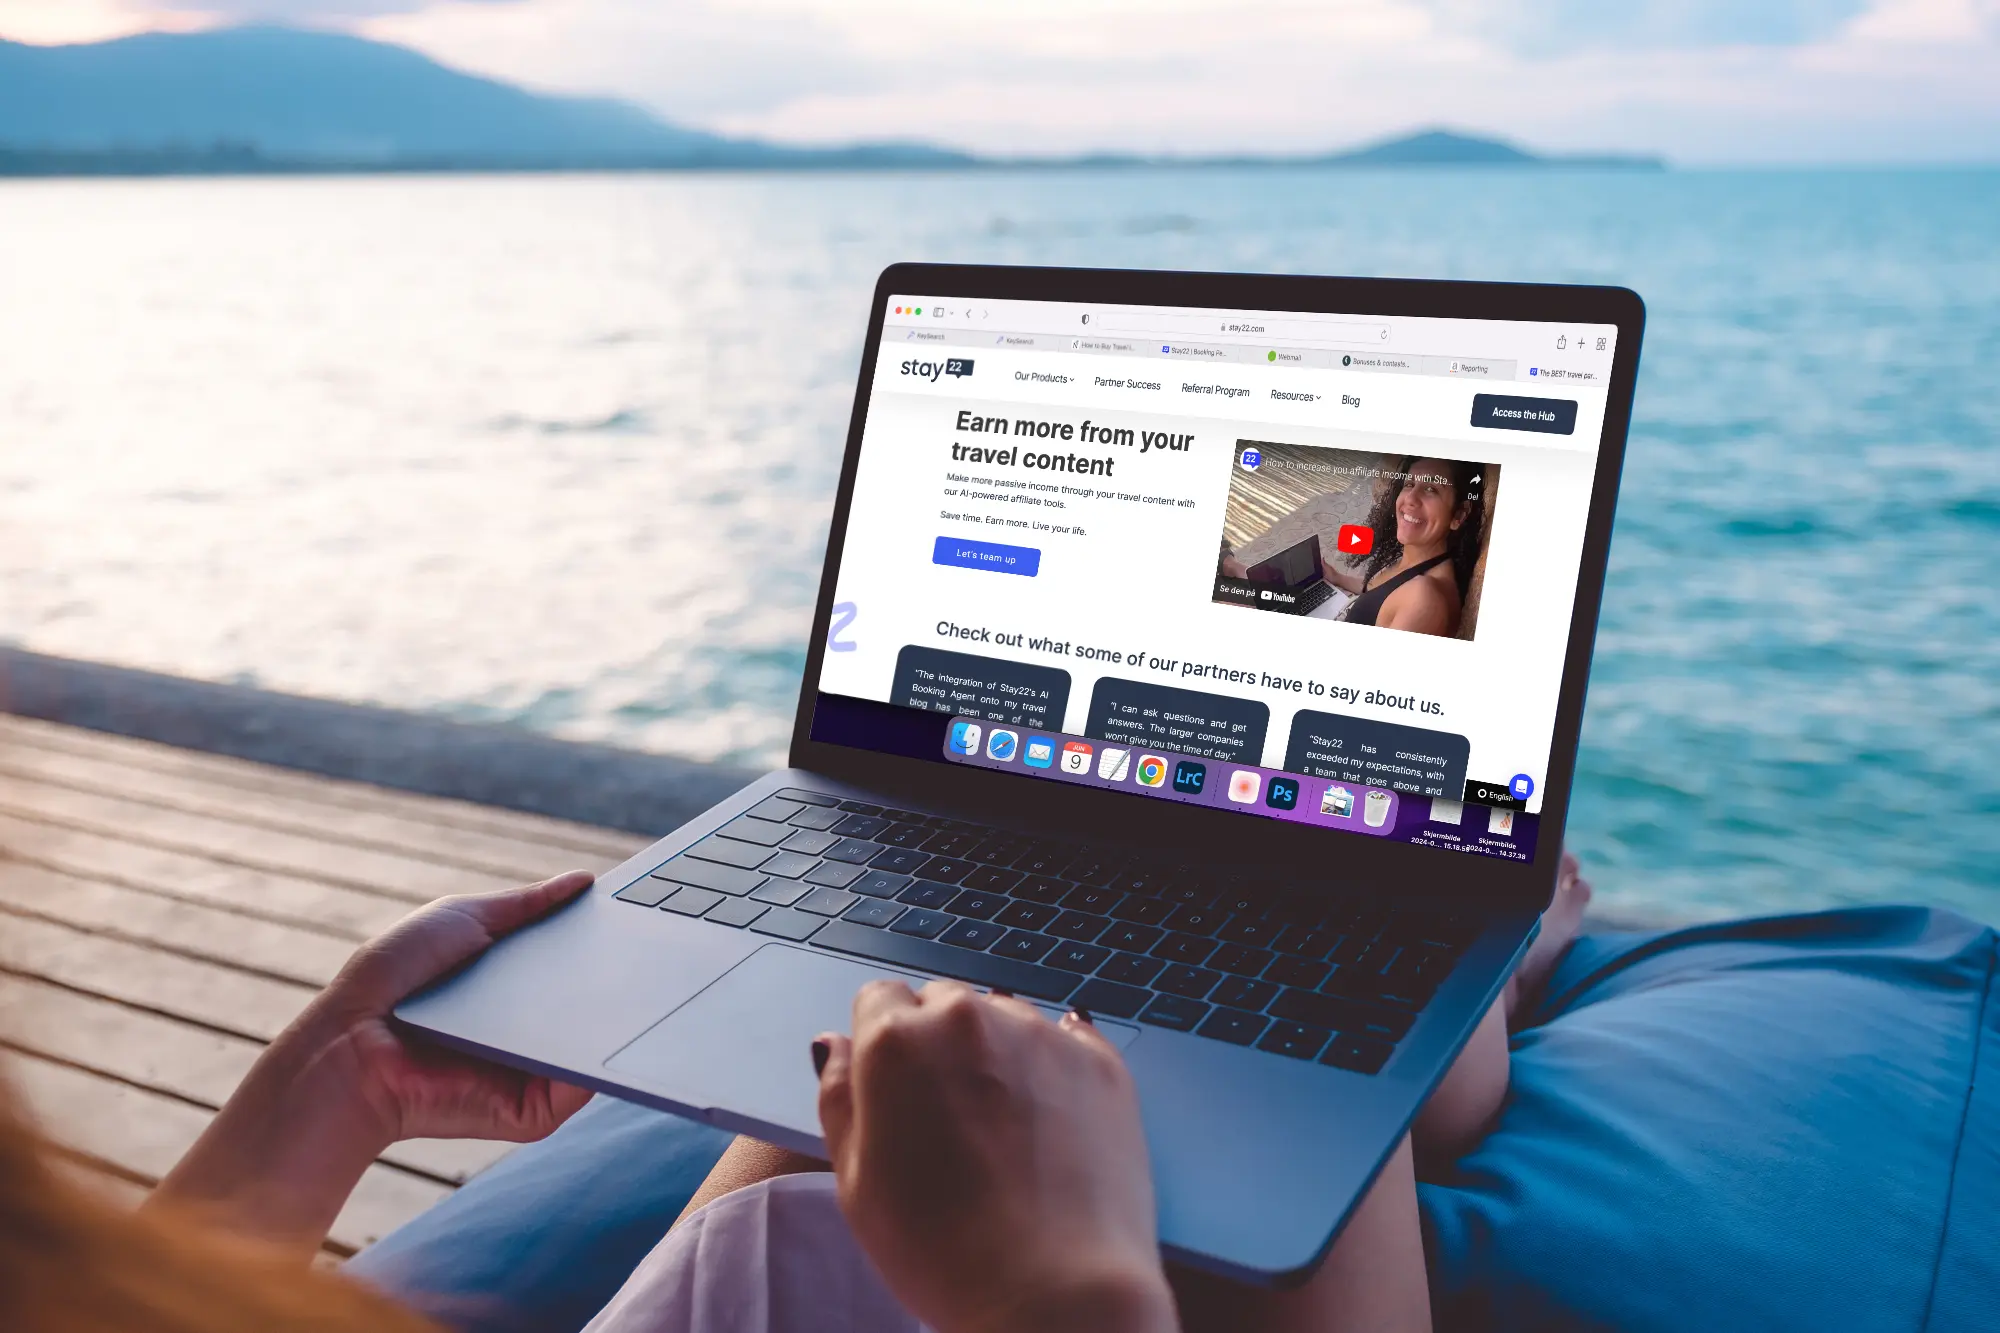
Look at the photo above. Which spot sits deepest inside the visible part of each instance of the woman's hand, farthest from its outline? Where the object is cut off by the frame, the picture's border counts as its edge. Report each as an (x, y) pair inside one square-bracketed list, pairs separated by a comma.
[(340, 1084), (992, 1164)]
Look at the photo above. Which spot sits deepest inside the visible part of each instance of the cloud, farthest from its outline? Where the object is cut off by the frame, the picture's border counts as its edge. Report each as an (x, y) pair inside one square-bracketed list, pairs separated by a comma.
[(1702, 80)]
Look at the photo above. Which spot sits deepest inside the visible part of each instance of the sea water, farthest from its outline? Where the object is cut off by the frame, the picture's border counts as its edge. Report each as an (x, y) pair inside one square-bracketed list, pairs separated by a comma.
[(557, 450)]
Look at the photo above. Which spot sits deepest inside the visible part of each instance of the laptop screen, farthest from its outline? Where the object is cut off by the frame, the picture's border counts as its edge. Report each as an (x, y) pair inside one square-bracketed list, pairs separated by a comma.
[(1077, 545)]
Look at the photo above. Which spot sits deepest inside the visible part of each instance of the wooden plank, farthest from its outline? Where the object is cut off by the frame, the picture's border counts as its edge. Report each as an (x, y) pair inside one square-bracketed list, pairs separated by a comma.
[(171, 1058), (359, 868), (194, 878), (225, 769), (141, 1134), (228, 1001), (102, 1185), (194, 793), (308, 957)]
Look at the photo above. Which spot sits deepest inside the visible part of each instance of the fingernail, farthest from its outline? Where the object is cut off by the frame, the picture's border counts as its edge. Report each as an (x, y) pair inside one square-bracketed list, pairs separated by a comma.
[(1083, 1014), (820, 1053)]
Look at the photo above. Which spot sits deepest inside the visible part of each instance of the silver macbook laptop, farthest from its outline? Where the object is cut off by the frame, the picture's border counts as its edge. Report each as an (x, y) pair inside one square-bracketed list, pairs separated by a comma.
[(1052, 739)]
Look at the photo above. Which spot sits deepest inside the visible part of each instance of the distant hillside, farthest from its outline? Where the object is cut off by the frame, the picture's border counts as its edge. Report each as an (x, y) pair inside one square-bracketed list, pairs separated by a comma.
[(264, 99)]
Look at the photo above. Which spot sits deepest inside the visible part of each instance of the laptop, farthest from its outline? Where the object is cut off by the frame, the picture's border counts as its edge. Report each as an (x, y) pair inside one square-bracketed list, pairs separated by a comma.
[(1292, 576), (1286, 862)]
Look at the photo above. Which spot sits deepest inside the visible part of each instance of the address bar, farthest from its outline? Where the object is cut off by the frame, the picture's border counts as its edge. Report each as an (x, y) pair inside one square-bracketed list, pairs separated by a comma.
[(1247, 326)]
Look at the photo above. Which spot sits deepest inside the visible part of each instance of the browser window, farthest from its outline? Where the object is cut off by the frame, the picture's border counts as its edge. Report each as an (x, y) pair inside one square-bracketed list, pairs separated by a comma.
[(1308, 567)]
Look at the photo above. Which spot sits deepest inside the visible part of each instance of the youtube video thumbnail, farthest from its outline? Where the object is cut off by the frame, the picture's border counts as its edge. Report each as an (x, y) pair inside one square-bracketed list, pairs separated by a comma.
[(1393, 541)]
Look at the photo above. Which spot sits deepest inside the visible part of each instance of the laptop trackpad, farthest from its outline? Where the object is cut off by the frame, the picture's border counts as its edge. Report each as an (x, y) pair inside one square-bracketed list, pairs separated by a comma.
[(744, 1044)]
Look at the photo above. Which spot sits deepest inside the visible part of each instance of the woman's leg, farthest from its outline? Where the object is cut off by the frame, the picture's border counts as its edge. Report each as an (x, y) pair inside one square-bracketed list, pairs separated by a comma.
[(1469, 1099), (747, 1161), (1374, 1277)]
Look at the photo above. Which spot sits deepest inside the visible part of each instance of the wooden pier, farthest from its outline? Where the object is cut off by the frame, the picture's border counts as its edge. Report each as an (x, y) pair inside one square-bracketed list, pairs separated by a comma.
[(165, 912)]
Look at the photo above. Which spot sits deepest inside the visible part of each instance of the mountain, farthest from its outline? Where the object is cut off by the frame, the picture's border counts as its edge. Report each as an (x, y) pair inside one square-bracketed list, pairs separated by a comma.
[(264, 99), (245, 98)]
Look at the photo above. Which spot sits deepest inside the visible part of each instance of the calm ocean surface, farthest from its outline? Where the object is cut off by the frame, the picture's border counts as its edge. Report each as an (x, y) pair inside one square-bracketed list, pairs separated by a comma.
[(558, 451)]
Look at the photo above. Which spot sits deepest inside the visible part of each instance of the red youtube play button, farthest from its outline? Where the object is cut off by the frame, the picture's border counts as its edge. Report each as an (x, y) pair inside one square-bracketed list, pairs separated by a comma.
[(1356, 539)]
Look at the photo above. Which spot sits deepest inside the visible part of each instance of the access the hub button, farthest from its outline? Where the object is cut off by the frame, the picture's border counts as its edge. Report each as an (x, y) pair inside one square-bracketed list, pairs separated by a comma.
[(1499, 411)]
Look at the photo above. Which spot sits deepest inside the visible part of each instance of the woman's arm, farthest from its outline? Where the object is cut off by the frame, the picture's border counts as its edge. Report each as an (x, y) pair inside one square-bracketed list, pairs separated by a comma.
[(341, 1084), (1420, 607), (1348, 581)]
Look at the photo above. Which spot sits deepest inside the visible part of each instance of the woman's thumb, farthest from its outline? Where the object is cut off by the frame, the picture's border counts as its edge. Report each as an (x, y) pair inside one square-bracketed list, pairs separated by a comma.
[(833, 1059)]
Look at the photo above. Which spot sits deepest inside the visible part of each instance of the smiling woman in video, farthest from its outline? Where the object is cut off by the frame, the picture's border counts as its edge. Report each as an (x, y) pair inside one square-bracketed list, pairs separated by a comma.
[(1428, 528)]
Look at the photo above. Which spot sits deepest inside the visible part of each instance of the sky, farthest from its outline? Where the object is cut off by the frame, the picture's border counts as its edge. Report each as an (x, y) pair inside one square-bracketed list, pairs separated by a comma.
[(1702, 81)]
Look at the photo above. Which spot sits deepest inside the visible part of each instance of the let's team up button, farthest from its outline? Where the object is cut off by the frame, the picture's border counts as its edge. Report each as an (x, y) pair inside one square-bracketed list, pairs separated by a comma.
[(1023, 560), (1499, 411)]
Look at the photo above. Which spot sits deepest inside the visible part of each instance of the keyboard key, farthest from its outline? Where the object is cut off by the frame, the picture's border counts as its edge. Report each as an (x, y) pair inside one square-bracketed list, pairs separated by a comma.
[(729, 852), (1184, 949), (924, 893), (781, 892), (1343, 1016), (1131, 937), (692, 902), (861, 808), (853, 851), (1253, 931), (789, 864), (905, 816), (761, 831), (1041, 889), (1196, 920), (1078, 926), (776, 809), (1247, 899), (1043, 859), (1139, 880), (1145, 911), (922, 922), (1243, 993), (981, 969), (900, 860), (1093, 871), (1240, 960), (873, 912), (974, 934), (649, 891), (1291, 971), (1306, 943), (948, 843), (1233, 1026), (1088, 899), (1108, 997), (828, 901), (1027, 916), (738, 912), (996, 852), (860, 826), (912, 836), (1025, 946), (809, 797), (1184, 892), (835, 874), (808, 842), (787, 924), (1077, 957), (880, 884), (947, 869), (980, 906), (992, 879), (815, 818), (1294, 1039), (1359, 1054), (708, 875), (1192, 982), (1171, 1011), (1132, 969)]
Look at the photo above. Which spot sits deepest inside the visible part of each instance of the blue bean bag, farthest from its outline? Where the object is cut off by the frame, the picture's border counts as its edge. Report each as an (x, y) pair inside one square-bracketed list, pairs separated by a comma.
[(1772, 1124), (1791, 1123)]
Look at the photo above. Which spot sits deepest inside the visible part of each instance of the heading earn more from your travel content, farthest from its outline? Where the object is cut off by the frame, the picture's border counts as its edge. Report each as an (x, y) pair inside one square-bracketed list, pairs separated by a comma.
[(1086, 432)]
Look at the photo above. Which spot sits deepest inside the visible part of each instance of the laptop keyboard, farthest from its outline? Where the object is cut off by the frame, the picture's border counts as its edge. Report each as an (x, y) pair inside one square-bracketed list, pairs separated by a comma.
[(1294, 973)]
